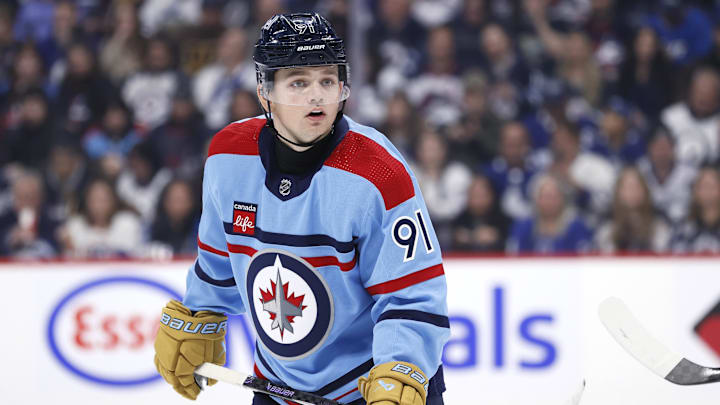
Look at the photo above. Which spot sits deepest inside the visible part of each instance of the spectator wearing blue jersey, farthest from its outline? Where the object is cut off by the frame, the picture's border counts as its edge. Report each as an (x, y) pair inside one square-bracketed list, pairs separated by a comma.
[(617, 138), (114, 138), (65, 32), (554, 226), (685, 31), (511, 171), (34, 20)]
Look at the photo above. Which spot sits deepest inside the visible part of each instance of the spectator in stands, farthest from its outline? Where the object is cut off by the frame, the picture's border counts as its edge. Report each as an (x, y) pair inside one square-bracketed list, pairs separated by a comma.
[(554, 227), (84, 91), (444, 182), (685, 31), (65, 32), (700, 232), (140, 184), (437, 92), (470, 21), (28, 144), (178, 141), (149, 92), (121, 53), (66, 176), (27, 231), (103, 227), (33, 22), (402, 123), (695, 121), (511, 171), (475, 138), (640, 73), (158, 15), (669, 181), (395, 41), (27, 74), (617, 139), (506, 70), (590, 174), (177, 219), (214, 85), (481, 227), (7, 50), (111, 141), (572, 53), (633, 225), (244, 105)]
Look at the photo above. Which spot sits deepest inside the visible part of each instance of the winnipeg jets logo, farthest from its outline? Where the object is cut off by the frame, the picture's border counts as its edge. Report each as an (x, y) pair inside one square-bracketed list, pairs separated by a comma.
[(290, 304), (285, 186), (282, 308)]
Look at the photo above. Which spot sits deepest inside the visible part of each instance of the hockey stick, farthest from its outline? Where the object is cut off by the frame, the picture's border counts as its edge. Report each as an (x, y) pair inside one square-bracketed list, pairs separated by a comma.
[(630, 334), (226, 375), (575, 399)]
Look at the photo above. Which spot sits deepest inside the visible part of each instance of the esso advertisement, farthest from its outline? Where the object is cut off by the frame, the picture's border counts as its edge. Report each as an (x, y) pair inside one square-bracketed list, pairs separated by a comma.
[(522, 331), (103, 330)]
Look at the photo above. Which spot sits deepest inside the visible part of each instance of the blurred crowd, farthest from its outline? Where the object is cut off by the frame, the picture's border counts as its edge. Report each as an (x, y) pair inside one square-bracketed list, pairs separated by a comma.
[(533, 126)]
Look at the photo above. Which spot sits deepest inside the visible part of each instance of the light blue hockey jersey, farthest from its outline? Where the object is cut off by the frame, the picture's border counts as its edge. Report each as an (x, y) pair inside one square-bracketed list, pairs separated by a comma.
[(338, 269)]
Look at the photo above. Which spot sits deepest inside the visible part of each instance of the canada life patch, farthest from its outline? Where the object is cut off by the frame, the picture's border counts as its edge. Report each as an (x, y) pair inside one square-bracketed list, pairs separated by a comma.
[(244, 218), (290, 304)]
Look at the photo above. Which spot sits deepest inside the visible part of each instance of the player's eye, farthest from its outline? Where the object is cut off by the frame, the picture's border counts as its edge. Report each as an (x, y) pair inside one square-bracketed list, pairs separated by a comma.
[(328, 82), (298, 84)]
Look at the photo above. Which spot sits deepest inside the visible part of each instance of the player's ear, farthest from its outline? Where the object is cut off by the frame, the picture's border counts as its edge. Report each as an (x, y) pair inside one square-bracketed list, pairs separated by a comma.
[(263, 100)]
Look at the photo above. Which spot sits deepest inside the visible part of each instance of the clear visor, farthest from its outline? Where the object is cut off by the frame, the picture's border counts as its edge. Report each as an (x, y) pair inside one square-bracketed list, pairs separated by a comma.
[(303, 86)]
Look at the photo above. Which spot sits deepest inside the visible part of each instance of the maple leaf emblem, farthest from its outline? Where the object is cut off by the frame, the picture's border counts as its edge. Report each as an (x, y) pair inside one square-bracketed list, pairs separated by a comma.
[(283, 308)]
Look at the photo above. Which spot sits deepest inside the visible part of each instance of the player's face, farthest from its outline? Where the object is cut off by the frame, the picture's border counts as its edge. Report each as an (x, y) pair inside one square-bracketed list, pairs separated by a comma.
[(305, 101)]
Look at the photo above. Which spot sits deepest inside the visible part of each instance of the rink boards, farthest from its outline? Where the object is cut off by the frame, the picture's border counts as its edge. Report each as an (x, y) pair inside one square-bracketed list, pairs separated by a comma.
[(523, 330)]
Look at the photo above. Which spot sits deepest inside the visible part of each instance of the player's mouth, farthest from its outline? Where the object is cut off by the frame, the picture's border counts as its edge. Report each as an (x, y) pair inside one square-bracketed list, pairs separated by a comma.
[(316, 115)]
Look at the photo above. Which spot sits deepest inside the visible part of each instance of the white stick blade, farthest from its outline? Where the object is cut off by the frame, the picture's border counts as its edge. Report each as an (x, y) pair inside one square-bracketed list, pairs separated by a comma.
[(220, 373), (630, 334)]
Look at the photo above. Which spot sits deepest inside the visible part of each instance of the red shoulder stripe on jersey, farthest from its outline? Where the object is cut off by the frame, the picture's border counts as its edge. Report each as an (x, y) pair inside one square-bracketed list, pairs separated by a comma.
[(360, 155), (211, 249), (407, 281), (319, 261), (238, 138)]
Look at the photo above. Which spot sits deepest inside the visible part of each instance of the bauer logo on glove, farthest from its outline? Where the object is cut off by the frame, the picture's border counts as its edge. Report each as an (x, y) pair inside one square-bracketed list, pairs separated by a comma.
[(207, 328)]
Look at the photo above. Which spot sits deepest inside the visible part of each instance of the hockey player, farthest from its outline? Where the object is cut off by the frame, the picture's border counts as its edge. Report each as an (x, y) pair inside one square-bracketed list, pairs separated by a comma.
[(313, 226)]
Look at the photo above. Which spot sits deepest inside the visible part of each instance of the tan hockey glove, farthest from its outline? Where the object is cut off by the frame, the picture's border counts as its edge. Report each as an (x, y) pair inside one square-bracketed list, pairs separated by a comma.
[(185, 341), (394, 383)]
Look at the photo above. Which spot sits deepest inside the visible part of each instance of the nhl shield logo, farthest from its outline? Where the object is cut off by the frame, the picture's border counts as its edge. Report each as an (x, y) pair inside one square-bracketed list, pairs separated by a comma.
[(284, 188), (290, 304)]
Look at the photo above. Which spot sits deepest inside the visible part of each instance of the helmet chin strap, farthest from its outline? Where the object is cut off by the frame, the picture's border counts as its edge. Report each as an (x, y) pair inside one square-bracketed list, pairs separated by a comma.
[(270, 124)]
